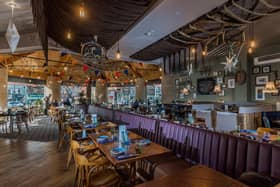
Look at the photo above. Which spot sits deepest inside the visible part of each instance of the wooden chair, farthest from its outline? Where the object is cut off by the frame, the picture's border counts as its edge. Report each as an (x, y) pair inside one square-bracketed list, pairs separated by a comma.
[(99, 176), (83, 165), (74, 145)]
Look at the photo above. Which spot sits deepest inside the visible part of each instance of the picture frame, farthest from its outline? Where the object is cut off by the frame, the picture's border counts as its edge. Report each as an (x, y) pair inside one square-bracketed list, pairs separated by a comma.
[(262, 80), (256, 69), (220, 80), (177, 82), (222, 93), (266, 69), (259, 94), (220, 73), (231, 83)]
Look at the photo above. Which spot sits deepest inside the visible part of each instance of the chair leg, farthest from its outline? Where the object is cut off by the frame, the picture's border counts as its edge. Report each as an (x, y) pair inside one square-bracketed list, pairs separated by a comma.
[(19, 128), (26, 125), (69, 157)]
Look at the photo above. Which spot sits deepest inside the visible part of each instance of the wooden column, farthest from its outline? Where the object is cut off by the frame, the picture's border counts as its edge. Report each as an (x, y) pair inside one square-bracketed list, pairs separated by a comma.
[(3, 88)]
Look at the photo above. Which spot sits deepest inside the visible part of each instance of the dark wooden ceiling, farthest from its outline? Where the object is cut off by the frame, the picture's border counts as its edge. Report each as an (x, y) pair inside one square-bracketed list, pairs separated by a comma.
[(223, 24), (108, 19)]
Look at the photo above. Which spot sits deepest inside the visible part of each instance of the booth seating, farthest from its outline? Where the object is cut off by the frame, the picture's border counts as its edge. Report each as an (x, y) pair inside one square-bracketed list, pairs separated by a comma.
[(226, 153)]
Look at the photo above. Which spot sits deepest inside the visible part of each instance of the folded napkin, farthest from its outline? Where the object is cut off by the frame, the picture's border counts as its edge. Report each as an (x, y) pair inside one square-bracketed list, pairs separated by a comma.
[(104, 140), (126, 156)]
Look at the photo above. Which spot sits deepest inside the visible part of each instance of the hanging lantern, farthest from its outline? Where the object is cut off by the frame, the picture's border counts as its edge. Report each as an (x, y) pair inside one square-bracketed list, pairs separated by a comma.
[(118, 74), (85, 68), (126, 72)]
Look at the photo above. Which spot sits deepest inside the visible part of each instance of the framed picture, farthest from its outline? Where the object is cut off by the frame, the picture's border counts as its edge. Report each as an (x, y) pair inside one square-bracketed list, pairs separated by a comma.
[(220, 80), (262, 80), (259, 95), (266, 69), (256, 69), (277, 83), (224, 85), (220, 73), (222, 93), (231, 83), (177, 82)]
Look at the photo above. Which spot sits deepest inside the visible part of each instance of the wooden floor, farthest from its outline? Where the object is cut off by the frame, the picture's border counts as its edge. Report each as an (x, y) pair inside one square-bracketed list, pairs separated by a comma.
[(33, 164)]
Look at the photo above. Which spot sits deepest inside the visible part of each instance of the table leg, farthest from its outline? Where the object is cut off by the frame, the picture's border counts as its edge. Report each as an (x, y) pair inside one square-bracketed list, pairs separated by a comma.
[(132, 172)]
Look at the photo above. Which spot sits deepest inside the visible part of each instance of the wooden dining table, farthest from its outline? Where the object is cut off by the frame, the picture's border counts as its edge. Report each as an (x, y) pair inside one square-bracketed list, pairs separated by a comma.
[(194, 177), (150, 150)]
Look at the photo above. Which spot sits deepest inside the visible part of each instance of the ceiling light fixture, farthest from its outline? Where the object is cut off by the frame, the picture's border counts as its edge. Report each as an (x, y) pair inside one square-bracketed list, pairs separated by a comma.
[(118, 54), (193, 50), (69, 35), (82, 10), (12, 35), (204, 53), (250, 50)]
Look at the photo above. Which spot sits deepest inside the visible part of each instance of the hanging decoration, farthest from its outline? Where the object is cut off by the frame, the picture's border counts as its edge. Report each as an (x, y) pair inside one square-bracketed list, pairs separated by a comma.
[(96, 72), (118, 74), (12, 35), (85, 68), (126, 72), (232, 59), (92, 51)]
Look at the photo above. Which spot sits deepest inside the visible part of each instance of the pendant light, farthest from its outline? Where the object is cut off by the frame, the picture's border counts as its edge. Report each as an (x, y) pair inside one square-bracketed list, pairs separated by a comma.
[(252, 42), (204, 51), (69, 35), (193, 50), (12, 35), (118, 54), (82, 11)]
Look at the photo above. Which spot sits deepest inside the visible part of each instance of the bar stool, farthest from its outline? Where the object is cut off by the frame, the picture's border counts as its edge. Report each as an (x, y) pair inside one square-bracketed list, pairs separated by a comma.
[(4, 124), (21, 118)]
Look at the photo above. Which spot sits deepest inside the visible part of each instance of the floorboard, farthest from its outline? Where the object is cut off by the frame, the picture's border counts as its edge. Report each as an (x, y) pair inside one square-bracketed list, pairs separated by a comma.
[(33, 164)]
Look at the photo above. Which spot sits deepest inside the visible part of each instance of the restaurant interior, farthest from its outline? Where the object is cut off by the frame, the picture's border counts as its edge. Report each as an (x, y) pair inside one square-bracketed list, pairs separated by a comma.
[(141, 93)]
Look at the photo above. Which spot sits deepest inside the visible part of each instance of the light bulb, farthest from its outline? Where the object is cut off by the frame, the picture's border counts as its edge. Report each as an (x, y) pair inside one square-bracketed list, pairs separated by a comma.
[(204, 53), (118, 54), (65, 68), (252, 44), (82, 10), (193, 50), (250, 50), (69, 35), (160, 69)]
